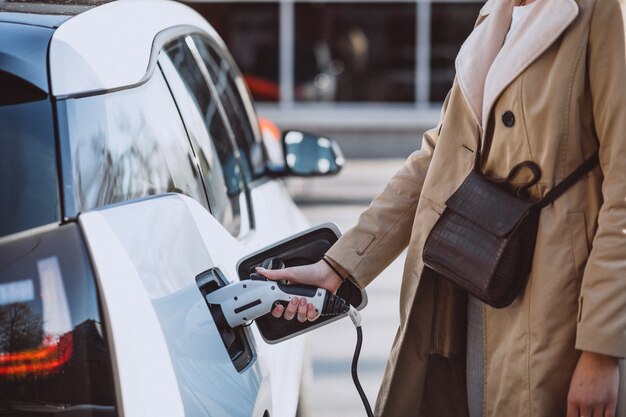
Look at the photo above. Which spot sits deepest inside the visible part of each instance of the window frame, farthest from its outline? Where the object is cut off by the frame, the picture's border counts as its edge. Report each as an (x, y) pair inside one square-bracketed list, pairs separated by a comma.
[(246, 206), (69, 206), (249, 108)]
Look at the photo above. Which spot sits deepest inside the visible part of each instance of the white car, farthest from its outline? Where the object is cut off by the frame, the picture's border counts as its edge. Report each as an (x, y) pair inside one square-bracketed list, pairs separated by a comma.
[(131, 165)]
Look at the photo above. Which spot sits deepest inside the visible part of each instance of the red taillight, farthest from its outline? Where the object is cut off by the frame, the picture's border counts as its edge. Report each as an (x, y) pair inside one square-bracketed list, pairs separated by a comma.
[(46, 359)]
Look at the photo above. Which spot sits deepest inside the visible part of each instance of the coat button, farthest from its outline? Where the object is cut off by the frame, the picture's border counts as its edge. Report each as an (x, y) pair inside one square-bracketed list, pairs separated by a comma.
[(508, 118)]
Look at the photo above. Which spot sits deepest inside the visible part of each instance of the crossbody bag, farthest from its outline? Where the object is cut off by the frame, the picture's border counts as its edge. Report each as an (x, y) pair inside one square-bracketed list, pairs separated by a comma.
[(484, 241)]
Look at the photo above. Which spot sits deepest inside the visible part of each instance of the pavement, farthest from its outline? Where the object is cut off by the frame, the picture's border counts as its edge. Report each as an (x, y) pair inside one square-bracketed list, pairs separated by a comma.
[(341, 199)]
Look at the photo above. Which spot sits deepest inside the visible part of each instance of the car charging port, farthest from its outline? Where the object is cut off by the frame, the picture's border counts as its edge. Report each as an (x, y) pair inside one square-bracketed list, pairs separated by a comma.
[(235, 340)]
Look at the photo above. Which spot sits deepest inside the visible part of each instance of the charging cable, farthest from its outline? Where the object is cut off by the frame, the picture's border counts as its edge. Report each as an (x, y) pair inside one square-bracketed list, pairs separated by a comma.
[(239, 303), (356, 319)]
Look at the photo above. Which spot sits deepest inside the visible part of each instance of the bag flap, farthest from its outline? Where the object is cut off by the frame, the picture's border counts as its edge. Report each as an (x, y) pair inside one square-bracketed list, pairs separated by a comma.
[(488, 205)]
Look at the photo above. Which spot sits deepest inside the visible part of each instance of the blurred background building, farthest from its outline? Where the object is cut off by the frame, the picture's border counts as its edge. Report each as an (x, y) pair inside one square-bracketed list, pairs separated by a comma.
[(355, 70)]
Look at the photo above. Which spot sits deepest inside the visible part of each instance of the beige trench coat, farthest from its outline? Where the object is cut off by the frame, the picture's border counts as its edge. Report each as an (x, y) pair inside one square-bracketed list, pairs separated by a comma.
[(562, 76)]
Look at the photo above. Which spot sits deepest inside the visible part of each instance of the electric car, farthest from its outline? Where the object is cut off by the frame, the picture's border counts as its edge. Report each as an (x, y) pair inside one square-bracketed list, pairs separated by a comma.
[(131, 168)]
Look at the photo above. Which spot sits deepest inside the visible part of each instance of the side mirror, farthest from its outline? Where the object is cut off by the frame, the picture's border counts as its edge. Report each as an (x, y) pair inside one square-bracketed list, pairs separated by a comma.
[(308, 155)]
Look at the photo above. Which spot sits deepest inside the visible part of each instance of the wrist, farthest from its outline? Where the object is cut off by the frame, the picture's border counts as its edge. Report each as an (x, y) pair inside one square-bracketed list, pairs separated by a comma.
[(331, 280), (339, 270), (599, 358)]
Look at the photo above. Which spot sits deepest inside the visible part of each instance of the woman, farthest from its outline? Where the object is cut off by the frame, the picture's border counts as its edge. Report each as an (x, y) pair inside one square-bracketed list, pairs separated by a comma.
[(553, 93)]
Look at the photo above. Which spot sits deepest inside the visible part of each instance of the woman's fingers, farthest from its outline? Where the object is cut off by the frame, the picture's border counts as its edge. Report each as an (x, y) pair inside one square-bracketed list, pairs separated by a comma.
[(572, 410), (278, 311), (316, 275), (297, 307), (610, 410), (311, 313), (302, 311), (292, 309), (313, 275), (305, 274), (599, 410), (276, 274)]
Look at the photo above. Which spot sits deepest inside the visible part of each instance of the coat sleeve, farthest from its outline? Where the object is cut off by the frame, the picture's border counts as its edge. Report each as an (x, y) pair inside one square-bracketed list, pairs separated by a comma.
[(602, 315), (384, 229)]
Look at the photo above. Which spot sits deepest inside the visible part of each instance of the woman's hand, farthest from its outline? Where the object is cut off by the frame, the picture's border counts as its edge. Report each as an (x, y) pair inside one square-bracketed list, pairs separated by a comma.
[(316, 275), (593, 390)]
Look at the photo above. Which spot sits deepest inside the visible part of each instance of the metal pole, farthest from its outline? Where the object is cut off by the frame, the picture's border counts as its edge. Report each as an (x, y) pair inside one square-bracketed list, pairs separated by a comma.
[(286, 53), (422, 53)]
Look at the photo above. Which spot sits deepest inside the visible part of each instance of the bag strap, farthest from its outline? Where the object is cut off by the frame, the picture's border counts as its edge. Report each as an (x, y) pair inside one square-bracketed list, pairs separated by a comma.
[(522, 191), (557, 191), (564, 185)]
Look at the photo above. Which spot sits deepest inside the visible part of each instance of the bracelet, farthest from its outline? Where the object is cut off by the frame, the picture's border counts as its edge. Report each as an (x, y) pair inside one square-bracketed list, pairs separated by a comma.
[(334, 269)]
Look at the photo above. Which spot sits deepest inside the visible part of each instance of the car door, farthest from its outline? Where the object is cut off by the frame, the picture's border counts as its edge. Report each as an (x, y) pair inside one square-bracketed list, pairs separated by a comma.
[(149, 232), (192, 87), (147, 256)]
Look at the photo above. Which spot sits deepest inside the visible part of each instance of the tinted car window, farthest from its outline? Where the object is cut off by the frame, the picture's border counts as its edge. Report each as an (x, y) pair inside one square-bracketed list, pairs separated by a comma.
[(186, 72), (130, 144), (28, 172), (54, 356), (223, 76)]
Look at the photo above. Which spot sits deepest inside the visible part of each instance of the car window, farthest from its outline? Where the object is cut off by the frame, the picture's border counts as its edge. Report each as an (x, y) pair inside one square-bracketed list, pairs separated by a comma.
[(130, 144), (224, 77), (28, 170), (226, 191), (54, 355)]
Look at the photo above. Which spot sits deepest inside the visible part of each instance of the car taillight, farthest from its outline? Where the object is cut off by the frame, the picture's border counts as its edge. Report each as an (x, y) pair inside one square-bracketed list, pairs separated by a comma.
[(53, 349), (46, 359), (35, 332)]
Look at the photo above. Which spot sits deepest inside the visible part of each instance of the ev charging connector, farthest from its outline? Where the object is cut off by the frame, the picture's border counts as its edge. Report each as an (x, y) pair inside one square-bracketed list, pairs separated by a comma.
[(239, 303)]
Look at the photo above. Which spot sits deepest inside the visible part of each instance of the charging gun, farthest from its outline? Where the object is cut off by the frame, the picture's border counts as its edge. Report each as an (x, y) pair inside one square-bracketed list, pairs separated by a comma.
[(239, 303), (243, 301)]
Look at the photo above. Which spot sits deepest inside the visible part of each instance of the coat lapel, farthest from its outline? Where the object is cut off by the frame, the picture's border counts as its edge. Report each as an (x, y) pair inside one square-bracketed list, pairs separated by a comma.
[(540, 29), (485, 67), (479, 51)]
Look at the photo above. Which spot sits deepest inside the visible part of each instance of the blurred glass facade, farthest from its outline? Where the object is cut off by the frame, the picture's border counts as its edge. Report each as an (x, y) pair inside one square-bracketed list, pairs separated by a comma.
[(295, 52), (451, 23), (355, 52)]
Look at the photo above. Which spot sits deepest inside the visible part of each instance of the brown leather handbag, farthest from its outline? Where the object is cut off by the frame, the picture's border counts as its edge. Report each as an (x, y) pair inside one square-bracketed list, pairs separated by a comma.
[(484, 241)]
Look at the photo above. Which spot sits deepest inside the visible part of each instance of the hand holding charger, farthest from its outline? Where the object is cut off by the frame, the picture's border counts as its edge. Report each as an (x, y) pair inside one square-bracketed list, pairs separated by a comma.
[(239, 303)]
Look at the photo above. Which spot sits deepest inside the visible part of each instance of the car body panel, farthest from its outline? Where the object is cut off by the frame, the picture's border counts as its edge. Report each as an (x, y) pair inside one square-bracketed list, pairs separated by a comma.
[(281, 218), (135, 336), (123, 55), (164, 284), (158, 284)]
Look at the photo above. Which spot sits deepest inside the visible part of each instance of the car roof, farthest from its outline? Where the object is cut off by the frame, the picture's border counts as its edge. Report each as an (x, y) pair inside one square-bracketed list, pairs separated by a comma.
[(50, 14), (26, 28), (115, 45)]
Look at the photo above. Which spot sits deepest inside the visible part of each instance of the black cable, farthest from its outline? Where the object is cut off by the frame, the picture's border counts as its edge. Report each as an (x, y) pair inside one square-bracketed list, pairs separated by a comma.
[(355, 377)]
